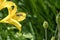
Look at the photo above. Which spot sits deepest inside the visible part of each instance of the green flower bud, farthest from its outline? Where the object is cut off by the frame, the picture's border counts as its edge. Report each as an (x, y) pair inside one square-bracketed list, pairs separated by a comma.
[(45, 24), (58, 18), (53, 38)]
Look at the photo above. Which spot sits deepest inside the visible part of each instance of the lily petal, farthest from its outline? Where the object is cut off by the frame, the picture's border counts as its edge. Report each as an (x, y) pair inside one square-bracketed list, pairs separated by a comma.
[(19, 16), (16, 23)]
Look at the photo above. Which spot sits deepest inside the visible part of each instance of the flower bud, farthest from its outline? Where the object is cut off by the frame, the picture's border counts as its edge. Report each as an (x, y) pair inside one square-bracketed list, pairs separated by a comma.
[(53, 38), (45, 24), (58, 18)]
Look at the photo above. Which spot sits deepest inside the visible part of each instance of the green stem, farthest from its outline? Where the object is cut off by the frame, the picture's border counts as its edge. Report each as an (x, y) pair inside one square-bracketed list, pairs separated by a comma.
[(56, 32), (31, 28), (58, 26), (46, 34)]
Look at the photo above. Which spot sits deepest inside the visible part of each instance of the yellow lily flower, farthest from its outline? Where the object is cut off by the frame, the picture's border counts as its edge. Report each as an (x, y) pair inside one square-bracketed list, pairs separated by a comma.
[(13, 17), (16, 19), (9, 5)]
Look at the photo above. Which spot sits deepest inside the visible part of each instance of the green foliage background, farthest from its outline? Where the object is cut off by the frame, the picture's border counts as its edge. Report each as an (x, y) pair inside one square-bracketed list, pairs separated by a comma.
[(37, 12)]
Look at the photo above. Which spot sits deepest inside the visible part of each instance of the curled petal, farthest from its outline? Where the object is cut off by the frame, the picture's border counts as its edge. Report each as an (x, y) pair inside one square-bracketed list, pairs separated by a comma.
[(19, 16), (16, 23), (9, 6)]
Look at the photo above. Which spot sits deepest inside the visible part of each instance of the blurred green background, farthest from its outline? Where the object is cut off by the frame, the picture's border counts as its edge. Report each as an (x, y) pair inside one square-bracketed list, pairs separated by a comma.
[(37, 12)]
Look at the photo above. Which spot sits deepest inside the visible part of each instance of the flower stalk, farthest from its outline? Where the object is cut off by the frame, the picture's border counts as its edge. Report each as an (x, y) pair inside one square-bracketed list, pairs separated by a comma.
[(45, 25), (58, 24)]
